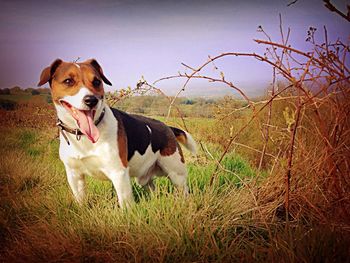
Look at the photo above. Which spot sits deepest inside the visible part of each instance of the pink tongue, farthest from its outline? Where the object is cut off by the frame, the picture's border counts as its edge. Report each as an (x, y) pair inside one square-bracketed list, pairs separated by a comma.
[(87, 125)]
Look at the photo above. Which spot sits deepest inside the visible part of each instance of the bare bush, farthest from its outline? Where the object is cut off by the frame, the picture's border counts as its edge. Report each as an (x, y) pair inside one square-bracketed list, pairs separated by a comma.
[(311, 146)]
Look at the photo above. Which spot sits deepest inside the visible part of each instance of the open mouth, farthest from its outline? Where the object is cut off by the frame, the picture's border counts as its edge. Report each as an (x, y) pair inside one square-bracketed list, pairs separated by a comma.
[(85, 121)]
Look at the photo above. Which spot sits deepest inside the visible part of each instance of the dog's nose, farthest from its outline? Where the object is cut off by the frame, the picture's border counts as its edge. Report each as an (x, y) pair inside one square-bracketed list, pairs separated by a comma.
[(90, 101)]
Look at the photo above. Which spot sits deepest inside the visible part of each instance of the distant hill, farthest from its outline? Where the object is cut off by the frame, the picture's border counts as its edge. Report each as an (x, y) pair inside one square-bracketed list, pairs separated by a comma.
[(212, 92)]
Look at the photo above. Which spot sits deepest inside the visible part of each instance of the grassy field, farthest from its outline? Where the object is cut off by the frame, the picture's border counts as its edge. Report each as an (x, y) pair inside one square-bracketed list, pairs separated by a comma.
[(239, 218)]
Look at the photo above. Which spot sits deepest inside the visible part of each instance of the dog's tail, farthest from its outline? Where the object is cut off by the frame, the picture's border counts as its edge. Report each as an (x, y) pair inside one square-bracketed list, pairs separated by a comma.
[(185, 139)]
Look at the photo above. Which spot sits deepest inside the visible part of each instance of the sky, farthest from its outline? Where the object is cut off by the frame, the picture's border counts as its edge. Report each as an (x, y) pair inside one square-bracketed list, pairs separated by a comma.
[(131, 38)]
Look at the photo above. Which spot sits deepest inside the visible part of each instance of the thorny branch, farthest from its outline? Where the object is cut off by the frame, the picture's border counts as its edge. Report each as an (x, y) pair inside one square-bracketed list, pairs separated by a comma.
[(142, 87), (323, 67), (331, 7)]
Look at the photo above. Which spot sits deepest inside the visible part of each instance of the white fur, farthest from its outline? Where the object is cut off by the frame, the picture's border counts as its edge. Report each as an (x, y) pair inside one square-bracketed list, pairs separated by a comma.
[(77, 99), (140, 164), (175, 169), (190, 144), (149, 129), (101, 159)]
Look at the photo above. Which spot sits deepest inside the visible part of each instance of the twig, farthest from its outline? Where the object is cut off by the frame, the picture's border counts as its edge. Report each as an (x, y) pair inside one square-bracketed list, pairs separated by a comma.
[(242, 129), (331, 7), (253, 149), (319, 62), (196, 71), (292, 142), (268, 121)]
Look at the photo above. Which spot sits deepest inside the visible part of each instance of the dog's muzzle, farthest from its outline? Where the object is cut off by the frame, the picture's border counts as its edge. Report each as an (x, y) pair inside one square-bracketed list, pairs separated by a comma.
[(90, 101)]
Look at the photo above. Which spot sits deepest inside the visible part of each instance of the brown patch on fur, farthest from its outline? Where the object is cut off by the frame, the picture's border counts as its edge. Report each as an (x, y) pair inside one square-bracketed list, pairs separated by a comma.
[(58, 88), (170, 147), (182, 138), (82, 77), (89, 74), (122, 144), (83, 74), (48, 72), (181, 153), (180, 135)]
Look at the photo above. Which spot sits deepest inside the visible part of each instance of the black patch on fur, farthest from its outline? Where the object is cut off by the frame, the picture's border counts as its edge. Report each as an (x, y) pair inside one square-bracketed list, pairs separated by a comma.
[(138, 135)]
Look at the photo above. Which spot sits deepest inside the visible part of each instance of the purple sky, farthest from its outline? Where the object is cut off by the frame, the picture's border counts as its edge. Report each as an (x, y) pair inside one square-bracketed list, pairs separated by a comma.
[(131, 38)]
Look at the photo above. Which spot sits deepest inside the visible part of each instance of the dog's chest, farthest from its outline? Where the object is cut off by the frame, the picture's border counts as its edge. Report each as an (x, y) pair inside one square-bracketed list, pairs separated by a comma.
[(90, 159), (89, 165)]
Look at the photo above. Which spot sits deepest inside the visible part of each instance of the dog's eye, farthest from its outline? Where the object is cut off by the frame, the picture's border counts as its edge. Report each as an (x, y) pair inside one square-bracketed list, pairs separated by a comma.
[(96, 82), (69, 82)]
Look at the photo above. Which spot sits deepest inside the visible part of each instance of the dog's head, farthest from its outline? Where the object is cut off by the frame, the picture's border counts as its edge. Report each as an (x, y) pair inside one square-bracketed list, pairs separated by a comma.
[(77, 92)]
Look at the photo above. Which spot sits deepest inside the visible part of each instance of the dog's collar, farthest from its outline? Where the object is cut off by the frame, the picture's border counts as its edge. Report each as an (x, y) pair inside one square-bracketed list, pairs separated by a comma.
[(63, 127)]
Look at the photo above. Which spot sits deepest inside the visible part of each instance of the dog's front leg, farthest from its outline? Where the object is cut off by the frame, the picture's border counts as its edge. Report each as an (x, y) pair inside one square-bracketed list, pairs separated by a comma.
[(77, 184), (122, 184)]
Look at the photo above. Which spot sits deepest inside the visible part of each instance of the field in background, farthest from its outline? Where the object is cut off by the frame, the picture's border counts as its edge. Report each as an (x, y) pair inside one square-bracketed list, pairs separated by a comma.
[(238, 218)]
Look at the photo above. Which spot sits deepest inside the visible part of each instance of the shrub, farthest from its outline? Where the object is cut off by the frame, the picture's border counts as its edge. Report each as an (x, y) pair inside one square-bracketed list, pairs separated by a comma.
[(35, 92), (5, 91), (8, 104), (188, 102), (16, 89), (28, 90)]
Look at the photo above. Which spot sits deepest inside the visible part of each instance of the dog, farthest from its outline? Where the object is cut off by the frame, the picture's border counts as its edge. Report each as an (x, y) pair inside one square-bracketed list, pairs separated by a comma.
[(106, 143)]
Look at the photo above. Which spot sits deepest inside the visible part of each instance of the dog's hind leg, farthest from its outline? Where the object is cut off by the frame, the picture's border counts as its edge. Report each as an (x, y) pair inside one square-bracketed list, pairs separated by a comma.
[(146, 181), (175, 169), (150, 186), (180, 181)]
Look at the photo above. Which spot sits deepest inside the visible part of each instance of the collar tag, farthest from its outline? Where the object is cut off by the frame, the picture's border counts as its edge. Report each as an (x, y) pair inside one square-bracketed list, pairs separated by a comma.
[(77, 135)]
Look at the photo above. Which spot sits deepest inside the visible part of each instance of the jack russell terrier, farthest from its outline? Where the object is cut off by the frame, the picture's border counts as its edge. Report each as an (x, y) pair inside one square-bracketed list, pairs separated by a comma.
[(106, 143)]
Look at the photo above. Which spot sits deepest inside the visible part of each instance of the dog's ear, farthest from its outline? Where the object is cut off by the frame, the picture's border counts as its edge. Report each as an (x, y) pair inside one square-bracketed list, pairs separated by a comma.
[(97, 66), (47, 73)]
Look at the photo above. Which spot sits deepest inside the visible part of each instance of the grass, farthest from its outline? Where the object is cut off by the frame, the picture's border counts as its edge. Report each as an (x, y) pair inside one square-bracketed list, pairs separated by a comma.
[(41, 222), (239, 218), (44, 210), (17, 97)]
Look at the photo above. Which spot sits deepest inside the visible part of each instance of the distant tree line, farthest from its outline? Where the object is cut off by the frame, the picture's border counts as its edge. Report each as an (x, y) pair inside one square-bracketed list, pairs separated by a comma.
[(189, 107), (18, 90), (5, 91)]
